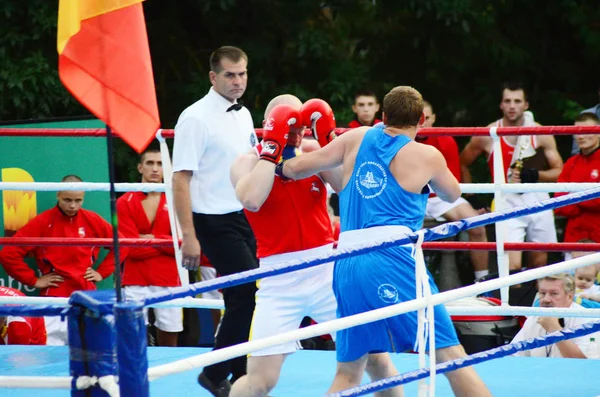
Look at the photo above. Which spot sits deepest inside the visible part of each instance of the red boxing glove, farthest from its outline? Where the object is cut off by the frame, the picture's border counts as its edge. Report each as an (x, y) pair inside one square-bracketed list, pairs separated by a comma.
[(318, 116), (276, 131)]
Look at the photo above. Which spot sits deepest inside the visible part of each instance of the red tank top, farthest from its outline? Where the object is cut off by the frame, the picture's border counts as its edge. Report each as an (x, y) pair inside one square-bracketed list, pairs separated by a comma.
[(507, 154), (293, 218)]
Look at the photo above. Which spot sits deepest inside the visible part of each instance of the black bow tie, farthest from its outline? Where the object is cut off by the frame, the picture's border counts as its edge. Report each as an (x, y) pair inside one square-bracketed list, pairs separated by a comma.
[(235, 106)]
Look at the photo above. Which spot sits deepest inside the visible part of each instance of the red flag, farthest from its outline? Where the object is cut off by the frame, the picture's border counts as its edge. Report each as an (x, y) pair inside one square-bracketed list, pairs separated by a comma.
[(104, 61)]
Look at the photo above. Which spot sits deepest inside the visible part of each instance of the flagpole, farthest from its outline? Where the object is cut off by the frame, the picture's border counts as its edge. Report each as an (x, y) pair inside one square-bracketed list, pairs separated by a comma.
[(113, 211)]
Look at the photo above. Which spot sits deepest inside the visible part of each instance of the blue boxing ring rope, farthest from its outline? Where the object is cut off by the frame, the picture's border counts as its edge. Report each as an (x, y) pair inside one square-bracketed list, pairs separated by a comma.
[(439, 232), (472, 359), (93, 315)]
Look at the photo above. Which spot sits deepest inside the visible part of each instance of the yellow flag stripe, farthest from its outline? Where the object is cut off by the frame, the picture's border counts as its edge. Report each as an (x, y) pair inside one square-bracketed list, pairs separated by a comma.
[(72, 12)]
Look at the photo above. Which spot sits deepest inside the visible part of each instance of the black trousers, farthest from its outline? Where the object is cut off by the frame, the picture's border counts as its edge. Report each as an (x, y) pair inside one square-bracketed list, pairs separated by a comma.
[(228, 242)]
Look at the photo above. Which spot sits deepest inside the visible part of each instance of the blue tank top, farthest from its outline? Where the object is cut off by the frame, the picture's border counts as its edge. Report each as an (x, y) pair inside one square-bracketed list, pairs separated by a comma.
[(372, 197)]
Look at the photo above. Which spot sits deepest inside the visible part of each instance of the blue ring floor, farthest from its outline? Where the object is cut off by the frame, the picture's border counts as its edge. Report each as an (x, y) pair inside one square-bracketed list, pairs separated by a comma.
[(309, 373)]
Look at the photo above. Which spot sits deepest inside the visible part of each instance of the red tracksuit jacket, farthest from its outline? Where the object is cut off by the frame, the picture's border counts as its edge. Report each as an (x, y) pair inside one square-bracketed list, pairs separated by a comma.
[(147, 266), (69, 262), (583, 218)]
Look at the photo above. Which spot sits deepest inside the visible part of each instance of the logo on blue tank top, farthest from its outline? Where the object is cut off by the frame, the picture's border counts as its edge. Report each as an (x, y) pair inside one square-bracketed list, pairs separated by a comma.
[(388, 293), (371, 179)]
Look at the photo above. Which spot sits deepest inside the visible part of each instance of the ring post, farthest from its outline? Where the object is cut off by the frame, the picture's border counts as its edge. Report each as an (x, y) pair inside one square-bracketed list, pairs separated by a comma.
[(92, 345), (132, 349)]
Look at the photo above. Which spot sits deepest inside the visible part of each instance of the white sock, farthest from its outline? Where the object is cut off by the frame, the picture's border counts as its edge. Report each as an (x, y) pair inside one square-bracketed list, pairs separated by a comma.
[(481, 273)]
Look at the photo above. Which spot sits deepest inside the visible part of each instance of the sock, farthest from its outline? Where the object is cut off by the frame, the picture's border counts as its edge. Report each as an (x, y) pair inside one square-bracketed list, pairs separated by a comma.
[(481, 273)]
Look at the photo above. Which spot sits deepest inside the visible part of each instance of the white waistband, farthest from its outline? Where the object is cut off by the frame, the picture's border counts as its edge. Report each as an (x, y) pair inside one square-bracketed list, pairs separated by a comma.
[(372, 234), (289, 256)]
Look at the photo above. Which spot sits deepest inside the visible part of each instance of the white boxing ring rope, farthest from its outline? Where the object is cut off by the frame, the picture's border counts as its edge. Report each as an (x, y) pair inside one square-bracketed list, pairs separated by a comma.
[(481, 188), (200, 303)]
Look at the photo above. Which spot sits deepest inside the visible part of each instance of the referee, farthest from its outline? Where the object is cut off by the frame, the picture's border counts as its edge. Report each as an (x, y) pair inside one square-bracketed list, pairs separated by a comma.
[(209, 135)]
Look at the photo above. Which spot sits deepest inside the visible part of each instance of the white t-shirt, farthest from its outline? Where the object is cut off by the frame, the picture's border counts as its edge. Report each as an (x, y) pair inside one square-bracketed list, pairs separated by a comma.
[(593, 290), (531, 329), (207, 140)]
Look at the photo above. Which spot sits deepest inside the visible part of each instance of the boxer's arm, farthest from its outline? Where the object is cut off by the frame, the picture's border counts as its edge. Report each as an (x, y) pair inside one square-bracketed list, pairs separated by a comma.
[(333, 176), (309, 164), (442, 181), (553, 158), (252, 180)]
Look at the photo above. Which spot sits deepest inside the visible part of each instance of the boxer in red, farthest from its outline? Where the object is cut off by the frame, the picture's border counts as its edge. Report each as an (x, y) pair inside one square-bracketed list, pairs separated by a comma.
[(282, 301)]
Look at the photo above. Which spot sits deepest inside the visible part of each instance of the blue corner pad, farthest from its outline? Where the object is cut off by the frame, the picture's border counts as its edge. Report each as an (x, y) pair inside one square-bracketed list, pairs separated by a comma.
[(101, 302)]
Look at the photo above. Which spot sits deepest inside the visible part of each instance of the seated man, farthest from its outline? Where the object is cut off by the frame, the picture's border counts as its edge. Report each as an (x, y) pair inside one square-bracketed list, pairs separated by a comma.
[(17, 330), (365, 107), (593, 110), (460, 208), (583, 219), (555, 291)]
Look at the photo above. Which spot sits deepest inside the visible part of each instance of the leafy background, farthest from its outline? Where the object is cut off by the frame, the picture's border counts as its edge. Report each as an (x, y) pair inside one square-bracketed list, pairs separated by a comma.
[(456, 52)]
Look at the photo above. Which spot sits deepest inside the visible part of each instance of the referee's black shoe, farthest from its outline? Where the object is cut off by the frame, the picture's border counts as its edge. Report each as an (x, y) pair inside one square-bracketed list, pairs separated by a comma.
[(220, 390)]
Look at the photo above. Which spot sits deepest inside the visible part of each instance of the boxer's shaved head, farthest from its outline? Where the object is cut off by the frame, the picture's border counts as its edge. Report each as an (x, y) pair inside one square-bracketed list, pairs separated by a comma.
[(285, 99)]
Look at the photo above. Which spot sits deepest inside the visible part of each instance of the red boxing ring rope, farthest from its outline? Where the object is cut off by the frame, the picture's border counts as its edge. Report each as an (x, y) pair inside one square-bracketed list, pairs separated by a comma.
[(84, 242), (433, 245), (435, 131)]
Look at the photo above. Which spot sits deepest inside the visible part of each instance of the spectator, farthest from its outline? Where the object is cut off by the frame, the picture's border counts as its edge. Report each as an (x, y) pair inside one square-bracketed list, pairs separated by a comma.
[(583, 219), (585, 278), (209, 135), (461, 208), (17, 330), (594, 110), (63, 271), (555, 291), (150, 270), (365, 108), (527, 159)]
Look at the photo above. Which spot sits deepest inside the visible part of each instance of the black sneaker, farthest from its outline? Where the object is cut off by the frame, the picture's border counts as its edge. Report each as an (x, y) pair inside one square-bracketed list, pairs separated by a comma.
[(220, 390)]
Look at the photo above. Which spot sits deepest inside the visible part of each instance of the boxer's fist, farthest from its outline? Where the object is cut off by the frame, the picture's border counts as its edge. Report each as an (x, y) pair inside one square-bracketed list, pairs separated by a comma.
[(276, 131), (318, 116)]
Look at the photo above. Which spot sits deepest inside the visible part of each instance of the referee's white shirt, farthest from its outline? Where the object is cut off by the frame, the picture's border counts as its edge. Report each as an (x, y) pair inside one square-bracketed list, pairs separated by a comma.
[(207, 140)]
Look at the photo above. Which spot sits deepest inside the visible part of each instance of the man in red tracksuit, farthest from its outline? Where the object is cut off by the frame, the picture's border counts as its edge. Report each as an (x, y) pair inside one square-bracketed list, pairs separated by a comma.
[(18, 330), (149, 270), (583, 218), (63, 269)]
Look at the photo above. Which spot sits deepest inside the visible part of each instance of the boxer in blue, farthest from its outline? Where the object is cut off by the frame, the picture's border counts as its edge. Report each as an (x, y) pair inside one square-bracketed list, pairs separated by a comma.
[(385, 188)]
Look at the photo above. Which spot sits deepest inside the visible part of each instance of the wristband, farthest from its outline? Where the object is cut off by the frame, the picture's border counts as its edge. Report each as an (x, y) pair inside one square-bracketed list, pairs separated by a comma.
[(271, 151), (279, 171), (529, 175)]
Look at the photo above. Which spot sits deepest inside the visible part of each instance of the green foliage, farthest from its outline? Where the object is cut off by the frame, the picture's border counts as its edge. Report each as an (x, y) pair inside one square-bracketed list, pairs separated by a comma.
[(456, 52), (29, 84)]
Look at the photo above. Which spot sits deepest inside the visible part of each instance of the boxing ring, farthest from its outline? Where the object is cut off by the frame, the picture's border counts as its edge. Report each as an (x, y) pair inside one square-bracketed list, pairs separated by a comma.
[(58, 371)]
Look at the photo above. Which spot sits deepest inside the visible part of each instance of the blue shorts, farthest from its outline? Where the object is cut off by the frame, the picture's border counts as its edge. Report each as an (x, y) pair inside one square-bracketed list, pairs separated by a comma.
[(375, 280)]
